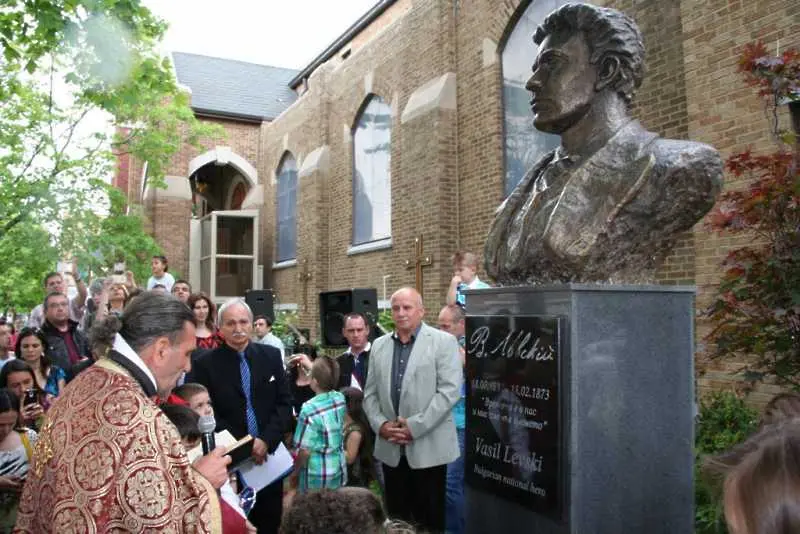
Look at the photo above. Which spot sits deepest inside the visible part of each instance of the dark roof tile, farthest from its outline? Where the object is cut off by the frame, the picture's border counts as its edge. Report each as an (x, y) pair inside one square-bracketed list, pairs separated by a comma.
[(235, 88)]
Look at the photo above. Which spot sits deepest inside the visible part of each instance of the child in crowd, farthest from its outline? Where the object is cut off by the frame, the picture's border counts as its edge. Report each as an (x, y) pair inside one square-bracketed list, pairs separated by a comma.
[(781, 407), (318, 438), (357, 440), (762, 481), (196, 396), (159, 268), (343, 511), (465, 267), (186, 422)]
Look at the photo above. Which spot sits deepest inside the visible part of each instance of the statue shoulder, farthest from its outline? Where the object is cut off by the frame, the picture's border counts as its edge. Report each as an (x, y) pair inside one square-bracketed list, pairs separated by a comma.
[(688, 169), (696, 160), (675, 148)]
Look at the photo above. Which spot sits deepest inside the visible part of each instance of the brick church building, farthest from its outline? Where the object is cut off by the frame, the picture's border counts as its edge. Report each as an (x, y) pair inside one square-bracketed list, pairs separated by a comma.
[(414, 124)]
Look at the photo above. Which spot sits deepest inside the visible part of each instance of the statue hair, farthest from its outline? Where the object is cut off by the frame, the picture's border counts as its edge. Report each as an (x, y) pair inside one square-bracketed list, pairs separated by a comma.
[(608, 32)]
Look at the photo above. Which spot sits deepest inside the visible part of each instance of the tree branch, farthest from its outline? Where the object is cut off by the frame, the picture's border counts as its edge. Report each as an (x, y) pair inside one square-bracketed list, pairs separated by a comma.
[(134, 134), (50, 99), (71, 132), (15, 180), (11, 224)]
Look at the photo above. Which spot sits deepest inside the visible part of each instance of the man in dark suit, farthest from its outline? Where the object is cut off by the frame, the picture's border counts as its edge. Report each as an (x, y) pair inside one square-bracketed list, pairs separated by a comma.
[(354, 364), (259, 405)]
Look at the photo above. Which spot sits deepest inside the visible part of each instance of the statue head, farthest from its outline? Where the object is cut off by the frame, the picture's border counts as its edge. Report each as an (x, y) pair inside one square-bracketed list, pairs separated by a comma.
[(585, 51)]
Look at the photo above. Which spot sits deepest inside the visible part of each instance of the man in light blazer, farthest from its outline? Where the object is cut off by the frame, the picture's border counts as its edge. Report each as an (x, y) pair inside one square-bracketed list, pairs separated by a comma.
[(414, 380)]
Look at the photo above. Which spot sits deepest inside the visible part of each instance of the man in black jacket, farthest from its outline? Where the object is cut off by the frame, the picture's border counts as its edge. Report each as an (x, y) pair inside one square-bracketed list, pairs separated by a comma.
[(259, 405), (354, 364), (66, 345)]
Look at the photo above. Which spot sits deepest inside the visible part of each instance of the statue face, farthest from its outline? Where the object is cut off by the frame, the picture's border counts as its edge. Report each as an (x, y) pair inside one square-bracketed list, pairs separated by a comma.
[(562, 85)]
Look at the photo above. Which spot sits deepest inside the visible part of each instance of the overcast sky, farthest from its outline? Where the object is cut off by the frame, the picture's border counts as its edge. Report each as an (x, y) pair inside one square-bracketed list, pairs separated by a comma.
[(281, 33)]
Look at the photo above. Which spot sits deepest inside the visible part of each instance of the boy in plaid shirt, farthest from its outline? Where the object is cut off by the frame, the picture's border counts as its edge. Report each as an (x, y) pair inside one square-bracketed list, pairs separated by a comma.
[(318, 438)]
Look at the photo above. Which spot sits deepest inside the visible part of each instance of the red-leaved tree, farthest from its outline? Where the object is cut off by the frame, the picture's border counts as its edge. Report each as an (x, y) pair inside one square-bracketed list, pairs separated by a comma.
[(756, 310)]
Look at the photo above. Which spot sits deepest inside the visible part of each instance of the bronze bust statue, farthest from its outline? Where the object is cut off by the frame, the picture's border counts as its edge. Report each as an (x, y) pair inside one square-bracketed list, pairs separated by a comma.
[(608, 204)]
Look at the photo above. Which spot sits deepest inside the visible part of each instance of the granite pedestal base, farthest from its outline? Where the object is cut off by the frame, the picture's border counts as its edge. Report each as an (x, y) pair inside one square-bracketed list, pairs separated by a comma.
[(580, 404)]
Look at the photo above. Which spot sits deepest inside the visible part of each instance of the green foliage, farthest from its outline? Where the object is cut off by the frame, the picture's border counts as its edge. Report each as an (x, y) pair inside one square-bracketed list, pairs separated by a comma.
[(100, 241), (29, 31), (29, 255), (280, 322), (385, 320), (724, 421), (64, 63)]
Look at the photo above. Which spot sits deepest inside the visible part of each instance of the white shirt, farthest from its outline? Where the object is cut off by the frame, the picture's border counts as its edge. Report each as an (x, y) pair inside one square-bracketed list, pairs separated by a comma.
[(366, 348), (353, 380), (272, 340), (166, 280), (121, 346)]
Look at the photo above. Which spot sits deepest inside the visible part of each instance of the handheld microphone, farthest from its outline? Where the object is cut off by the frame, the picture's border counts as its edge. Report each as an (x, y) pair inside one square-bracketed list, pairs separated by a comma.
[(206, 426)]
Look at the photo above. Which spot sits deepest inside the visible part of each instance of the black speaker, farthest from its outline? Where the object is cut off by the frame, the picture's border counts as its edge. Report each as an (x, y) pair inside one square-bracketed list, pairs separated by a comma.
[(334, 305), (260, 302)]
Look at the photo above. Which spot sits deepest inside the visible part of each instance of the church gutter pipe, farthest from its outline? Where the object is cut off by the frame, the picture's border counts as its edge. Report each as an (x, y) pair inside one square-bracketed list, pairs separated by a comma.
[(210, 114), (341, 41)]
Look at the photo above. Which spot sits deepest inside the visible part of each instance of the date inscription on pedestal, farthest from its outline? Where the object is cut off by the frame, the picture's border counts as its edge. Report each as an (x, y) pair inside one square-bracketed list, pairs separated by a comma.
[(513, 446)]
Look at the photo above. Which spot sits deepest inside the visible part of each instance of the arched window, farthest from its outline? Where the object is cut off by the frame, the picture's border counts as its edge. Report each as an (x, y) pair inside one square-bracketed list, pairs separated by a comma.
[(524, 144), (287, 209), (372, 186)]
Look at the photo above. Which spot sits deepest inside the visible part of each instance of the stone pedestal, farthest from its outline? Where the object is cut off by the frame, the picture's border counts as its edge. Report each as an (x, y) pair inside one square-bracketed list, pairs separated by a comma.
[(580, 409)]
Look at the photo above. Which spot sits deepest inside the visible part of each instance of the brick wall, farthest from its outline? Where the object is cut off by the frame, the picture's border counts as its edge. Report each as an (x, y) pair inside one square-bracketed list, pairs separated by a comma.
[(392, 65), (170, 220)]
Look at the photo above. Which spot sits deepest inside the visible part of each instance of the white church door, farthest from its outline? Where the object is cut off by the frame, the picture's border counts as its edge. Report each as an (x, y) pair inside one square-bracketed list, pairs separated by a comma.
[(228, 262)]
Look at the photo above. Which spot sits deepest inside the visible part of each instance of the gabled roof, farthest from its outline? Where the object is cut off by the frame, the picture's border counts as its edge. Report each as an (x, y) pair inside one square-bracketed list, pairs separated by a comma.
[(236, 89)]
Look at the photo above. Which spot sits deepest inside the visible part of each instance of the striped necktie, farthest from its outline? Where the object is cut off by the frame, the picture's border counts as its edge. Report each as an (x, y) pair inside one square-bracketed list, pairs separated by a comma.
[(252, 424)]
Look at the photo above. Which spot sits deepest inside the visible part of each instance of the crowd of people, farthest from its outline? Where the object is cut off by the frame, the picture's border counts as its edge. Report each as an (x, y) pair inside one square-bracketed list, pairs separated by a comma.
[(101, 396), (101, 403)]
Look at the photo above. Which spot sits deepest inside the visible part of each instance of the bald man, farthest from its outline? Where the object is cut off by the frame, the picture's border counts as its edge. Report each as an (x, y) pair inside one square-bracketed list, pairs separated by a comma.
[(413, 383)]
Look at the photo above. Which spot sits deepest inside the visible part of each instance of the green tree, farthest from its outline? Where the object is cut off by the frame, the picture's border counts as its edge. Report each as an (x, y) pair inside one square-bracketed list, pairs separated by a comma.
[(64, 64), (725, 420), (30, 255), (118, 236)]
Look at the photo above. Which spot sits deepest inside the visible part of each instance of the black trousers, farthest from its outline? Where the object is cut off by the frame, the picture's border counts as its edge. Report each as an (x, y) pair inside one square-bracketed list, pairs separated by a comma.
[(416, 495), (266, 514)]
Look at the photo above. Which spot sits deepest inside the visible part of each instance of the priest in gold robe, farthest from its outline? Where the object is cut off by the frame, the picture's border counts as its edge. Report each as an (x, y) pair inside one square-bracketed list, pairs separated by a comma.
[(107, 458)]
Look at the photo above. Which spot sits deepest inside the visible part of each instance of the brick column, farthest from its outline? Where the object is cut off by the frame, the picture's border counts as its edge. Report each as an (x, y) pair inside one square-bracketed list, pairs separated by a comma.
[(170, 211)]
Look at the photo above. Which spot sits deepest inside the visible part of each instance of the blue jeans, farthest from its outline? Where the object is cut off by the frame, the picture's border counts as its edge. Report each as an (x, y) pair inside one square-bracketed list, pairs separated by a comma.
[(454, 503)]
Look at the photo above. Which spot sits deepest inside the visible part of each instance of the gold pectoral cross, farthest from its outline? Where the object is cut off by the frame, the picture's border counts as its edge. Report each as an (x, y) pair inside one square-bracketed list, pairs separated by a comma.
[(418, 262)]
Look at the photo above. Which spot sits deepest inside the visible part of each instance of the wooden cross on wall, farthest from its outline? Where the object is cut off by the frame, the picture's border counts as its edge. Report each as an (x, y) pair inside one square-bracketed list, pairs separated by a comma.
[(304, 276), (418, 262)]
